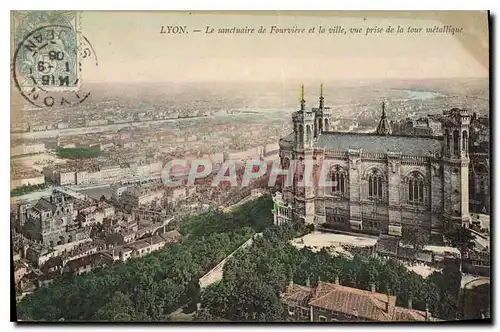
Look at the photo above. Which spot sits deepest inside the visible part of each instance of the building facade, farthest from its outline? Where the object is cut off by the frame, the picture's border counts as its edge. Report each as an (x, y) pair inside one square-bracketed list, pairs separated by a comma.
[(139, 196), (32, 180), (381, 182), (479, 170), (27, 149), (479, 152), (61, 218), (329, 302), (426, 126)]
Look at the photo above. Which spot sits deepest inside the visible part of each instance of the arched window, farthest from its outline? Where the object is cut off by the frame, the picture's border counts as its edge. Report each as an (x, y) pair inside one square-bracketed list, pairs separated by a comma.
[(481, 169), (308, 132), (327, 125), (464, 141), (301, 133), (415, 188), (456, 143), (485, 188), (320, 126), (447, 140), (473, 184), (339, 178), (299, 171), (375, 185), (285, 163)]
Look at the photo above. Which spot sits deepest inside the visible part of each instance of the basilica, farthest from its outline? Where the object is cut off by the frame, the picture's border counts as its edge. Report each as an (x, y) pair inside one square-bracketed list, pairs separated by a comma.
[(382, 182)]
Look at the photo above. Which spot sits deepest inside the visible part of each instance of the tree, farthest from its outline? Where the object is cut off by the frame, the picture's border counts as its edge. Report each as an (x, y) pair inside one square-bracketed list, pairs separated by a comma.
[(431, 296), (119, 308), (412, 288), (370, 273), (332, 268), (351, 270), (193, 294), (254, 300), (446, 285), (215, 301), (390, 277), (414, 236), (153, 286), (204, 315), (461, 238)]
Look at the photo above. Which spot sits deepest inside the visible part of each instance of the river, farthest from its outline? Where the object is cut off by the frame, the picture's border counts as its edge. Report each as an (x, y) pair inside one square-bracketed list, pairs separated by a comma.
[(95, 129), (419, 95)]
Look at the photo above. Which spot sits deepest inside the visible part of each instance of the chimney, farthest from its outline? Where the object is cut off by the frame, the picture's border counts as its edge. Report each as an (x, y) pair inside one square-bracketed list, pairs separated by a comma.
[(387, 304), (373, 287), (427, 313), (308, 282), (410, 303), (337, 280)]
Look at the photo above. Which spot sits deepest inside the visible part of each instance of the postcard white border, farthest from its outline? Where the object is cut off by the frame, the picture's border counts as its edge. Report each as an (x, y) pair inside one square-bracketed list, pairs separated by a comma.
[(493, 5)]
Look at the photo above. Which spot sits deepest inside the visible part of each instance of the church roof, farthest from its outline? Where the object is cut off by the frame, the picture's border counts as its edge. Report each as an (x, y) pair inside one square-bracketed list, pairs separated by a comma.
[(384, 127), (288, 138), (43, 204), (407, 145), (351, 301)]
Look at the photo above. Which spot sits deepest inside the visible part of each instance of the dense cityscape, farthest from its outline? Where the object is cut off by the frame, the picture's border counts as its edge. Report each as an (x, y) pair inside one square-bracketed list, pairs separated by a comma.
[(97, 236)]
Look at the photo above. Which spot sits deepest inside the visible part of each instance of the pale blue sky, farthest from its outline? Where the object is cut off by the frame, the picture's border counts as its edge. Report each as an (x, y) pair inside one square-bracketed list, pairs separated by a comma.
[(130, 48)]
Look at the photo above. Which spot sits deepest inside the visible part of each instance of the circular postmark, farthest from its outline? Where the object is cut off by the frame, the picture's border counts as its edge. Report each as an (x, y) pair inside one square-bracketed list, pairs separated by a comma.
[(47, 66)]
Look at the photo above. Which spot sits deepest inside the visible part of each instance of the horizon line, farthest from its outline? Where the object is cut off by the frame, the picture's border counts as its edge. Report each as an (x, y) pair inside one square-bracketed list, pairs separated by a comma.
[(294, 80)]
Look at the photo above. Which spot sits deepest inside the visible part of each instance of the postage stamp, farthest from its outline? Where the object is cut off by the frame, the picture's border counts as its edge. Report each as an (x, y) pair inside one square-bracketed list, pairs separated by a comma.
[(47, 61), (47, 50)]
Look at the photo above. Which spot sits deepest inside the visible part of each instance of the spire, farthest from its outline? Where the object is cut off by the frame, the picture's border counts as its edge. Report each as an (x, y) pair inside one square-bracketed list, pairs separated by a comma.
[(321, 99), (384, 127), (302, 101)]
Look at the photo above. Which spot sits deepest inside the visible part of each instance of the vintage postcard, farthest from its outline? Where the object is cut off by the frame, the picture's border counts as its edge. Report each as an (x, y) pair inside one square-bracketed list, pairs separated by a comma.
[(250, 166)]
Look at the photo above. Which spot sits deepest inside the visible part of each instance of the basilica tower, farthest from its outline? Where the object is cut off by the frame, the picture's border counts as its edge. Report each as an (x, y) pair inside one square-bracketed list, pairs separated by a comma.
[(456, 168), (303, 150), (322, 116), (303, 124)]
